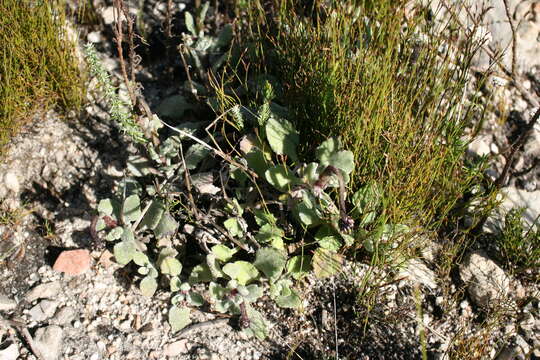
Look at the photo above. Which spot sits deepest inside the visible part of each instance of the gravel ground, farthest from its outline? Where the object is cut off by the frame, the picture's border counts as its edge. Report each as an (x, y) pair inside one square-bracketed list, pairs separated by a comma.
[(57, 170)]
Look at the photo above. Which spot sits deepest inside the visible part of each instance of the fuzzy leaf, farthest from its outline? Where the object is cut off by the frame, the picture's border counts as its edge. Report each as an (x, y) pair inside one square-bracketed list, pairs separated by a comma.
[(256, 161), (282, 137), (258, 325), (326, 263), (115, 234), (281, 177), (132, 208), (148, 286), (194, 155), (173, 107), (270, 261), (213, 266), (299, 266), (328, 239), (225, 36), (233, 227), (140, 258), (284, 296), (190, 23), (153, 215), (200, 273), (223, 253), (171, 266), (217, 291), (175, 283), (124, 252), (268, 233), (242, 271), (254, 292), (327, 148), (263, 217), (194, 299), (328, 154), (139, 166), (166, 227), (105, 207), (367, 200), (179, 318)]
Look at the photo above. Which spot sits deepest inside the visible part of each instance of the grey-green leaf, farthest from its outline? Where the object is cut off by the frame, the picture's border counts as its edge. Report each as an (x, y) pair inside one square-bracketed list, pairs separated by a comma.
[(166, 226), (148, 286), (132, 208), (282, 137), (179, 318), (270, 261), (153, 215), (242, 271), (171, 266), (124, 252), (281, 177), (233, 227), (299, 266), (190, 23), (222, 252)]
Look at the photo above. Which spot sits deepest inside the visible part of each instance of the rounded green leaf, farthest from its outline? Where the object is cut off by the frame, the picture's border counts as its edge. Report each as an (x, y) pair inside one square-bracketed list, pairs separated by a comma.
[(175, 283), (115, 234), (194, 299), (140, 258), (282, 136), (281, 177), (105, 206), (298, 266), (179, 318), (200, 273), (233, 227), (166, 226), (124, 252), (270, 261), (222, 252), (171, 266), (132, 208), (242, 271), (148, 286)]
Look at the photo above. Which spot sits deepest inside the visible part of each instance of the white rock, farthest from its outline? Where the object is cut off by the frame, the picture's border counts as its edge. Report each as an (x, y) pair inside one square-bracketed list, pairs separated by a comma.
[(48, 341), (7, 304), (487, 283), (44, 291), (11, 182), (10, 353), (480, 146), (176, 348), (94, 37), (418, 272)]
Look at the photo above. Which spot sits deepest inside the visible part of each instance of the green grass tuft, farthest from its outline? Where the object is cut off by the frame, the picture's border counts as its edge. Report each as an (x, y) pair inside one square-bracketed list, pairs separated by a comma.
[(38, 68)]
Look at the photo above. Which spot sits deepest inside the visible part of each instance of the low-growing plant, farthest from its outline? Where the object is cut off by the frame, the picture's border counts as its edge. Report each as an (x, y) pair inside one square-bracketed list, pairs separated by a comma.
[(518, 245)]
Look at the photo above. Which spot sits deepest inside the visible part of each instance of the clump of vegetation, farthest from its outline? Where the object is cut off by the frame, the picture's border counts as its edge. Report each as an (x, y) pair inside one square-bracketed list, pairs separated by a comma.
[(346, 140), (518, 246), (384, 77), (38, 68)]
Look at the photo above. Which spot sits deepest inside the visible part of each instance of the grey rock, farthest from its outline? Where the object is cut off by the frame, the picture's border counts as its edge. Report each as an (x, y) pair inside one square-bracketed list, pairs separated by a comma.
[(48, 341), (44, 291), (64, 316), (524, 346), (487, 283), (10, 353), (7, 304), (418, 272), (37, 314)]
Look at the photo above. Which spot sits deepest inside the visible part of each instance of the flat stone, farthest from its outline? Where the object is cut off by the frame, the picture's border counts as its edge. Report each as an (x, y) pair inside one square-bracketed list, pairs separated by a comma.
[(7, 304), (10, 353), (416, 271), (73, 262), (48, 341), (176, 348), (487, 283), (37, 314), (64, 316), (44, 291), (12, 182)]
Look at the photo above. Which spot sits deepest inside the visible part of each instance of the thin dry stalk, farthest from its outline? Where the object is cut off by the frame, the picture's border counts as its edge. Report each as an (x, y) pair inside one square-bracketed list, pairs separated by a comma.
[(514, 37)]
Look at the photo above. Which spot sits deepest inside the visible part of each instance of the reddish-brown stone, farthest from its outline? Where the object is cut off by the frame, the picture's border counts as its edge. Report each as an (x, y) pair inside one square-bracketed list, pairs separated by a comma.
[(73, 262)]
